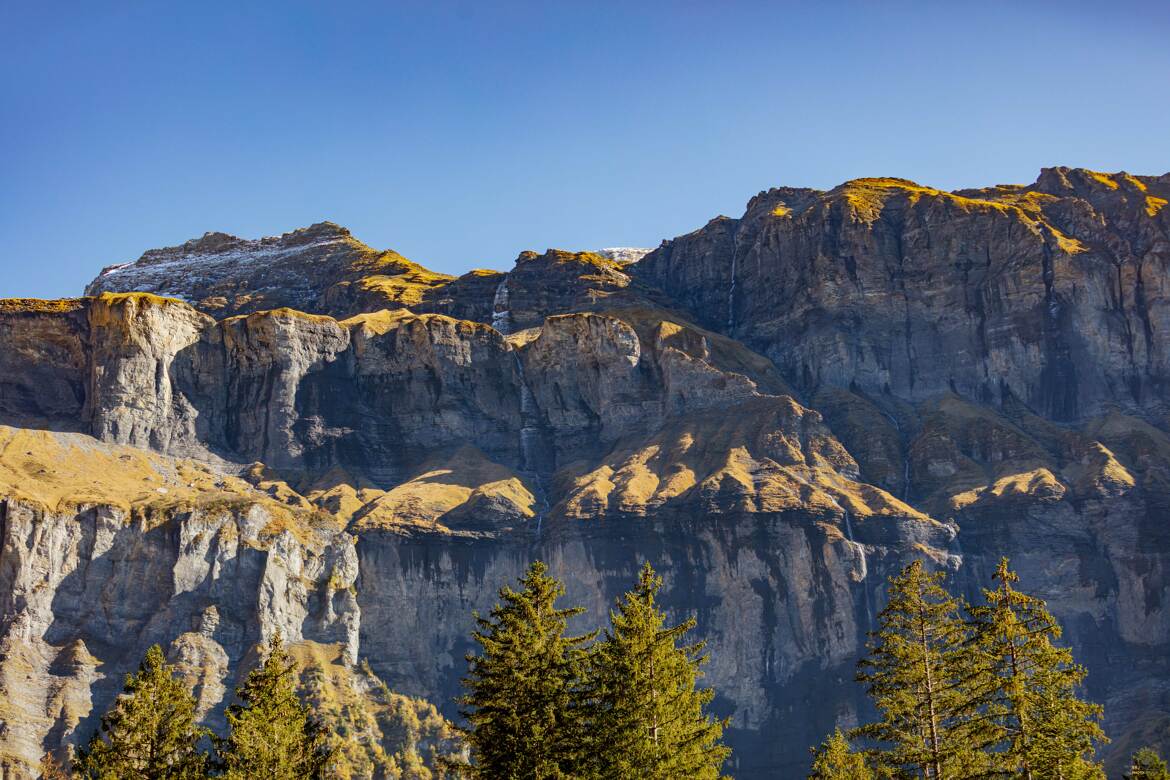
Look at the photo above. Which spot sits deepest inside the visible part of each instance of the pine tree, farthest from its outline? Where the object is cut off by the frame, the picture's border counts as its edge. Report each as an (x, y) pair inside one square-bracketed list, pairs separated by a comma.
[(650, 719), (149, 732), (1030, 689), (835, 760), (523, 700), (918, 665), (272, 734), (1147, 765)]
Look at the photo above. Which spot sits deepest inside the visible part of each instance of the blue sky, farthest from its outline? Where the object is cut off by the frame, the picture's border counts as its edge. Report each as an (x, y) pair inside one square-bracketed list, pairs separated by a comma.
[(462, 133)]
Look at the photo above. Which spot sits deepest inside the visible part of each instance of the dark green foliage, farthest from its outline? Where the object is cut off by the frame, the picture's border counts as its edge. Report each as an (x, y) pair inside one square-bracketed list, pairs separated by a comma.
[(916, 674), (1029, 688), (524, 700), (272, 734), (1147, 765), (989, 696), (149, 732), (650, 719)]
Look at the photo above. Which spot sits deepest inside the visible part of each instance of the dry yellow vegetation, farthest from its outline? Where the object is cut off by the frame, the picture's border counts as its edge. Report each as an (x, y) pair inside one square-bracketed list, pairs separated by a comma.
[(441, 496), (377, 732), (1104, 178), (40, 305), (867, 198), (751, 459), (62, 472)]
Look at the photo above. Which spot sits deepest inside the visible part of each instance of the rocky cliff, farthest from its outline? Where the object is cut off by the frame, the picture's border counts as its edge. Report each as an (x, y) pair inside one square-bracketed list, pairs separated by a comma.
[(778, 410)]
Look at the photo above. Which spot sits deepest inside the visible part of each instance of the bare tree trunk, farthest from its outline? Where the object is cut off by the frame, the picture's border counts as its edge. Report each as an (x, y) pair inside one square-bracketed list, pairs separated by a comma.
[(935, 758)]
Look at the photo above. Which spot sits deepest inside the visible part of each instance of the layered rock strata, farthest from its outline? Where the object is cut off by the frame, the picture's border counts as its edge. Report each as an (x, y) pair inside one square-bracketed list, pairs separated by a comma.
[(777, 410)]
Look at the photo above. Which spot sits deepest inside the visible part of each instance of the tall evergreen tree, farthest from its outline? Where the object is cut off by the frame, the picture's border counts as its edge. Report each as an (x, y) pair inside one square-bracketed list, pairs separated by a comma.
[(1146, 764), (836, 760), (524, 688), (272, 734), (650, 719), (149, 732), (916, 670), (1044, 730)]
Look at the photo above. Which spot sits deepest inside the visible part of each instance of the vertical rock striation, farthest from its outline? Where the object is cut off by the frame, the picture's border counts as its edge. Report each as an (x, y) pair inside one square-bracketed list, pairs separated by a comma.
[(778, 410)]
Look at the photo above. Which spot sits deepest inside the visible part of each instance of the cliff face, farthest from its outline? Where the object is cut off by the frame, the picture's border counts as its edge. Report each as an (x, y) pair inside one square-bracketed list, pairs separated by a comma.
[(1054, 293), (778, 411)]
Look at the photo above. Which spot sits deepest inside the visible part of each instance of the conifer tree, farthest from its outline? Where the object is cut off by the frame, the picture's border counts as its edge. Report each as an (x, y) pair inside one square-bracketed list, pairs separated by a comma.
[(836, 760), (916, 672), (650, 719), (272, 734), (1146, 764), (1044, 730), (149, 732), (523, 699)]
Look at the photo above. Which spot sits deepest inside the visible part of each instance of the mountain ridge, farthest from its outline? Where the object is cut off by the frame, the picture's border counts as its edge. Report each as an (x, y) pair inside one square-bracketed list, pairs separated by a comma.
[(779, 410)]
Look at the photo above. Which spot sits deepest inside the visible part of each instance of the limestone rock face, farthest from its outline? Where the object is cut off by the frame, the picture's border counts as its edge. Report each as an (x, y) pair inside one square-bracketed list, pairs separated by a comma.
[(778, 411), (134, 340), (44, 365), (1052, 292)]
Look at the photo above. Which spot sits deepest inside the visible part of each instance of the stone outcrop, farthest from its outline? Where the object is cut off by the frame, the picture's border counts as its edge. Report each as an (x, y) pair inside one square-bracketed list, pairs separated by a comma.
[(318, 269), (323, 269), (778, 411), (1053, 293)]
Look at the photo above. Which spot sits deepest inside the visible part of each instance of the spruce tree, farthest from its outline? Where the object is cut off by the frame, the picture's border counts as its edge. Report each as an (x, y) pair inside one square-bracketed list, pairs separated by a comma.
[(918, 664), (1029, 691), (650, 719), (836, 760), (149, 732), (523, 699), (1146, 764), (272, 734)]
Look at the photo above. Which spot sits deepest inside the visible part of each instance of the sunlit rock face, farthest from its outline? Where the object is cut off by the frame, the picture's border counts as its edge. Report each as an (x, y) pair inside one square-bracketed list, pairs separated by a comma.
[(1054, 292), (778, 411)]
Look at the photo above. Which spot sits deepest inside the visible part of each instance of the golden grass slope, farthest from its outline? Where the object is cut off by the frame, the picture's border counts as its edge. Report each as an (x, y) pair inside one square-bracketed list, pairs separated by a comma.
[(63, 472), (769, 455)]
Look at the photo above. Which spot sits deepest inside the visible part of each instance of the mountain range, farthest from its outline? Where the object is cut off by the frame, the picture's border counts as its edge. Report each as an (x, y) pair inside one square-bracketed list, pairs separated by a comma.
[(232, 437)]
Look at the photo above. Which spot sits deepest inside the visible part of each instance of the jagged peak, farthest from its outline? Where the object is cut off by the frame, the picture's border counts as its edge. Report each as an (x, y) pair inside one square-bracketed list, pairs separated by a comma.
[(215, 242), (317, 268), (1062, 180), (782, 201)]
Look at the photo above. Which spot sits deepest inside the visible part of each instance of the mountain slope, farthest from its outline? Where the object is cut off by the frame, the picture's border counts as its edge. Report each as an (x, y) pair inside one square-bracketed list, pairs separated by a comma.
[(778, 410)]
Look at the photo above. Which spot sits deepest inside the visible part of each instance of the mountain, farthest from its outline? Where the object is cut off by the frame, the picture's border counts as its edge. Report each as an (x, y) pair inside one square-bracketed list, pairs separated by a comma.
[(303, 434)]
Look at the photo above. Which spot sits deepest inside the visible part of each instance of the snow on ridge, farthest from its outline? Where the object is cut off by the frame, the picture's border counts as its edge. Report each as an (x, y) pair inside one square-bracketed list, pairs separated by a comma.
[(623, 254), (247, 252), (198, 267), (180, 271), (113, 269)]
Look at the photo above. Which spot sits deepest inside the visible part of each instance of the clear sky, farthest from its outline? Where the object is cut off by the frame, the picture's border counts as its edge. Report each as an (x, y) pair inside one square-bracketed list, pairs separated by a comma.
[(462, 133)]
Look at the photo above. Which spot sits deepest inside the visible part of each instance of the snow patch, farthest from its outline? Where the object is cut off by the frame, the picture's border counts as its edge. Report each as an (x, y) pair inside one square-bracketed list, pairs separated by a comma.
[(623, 254), (177, 272)]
